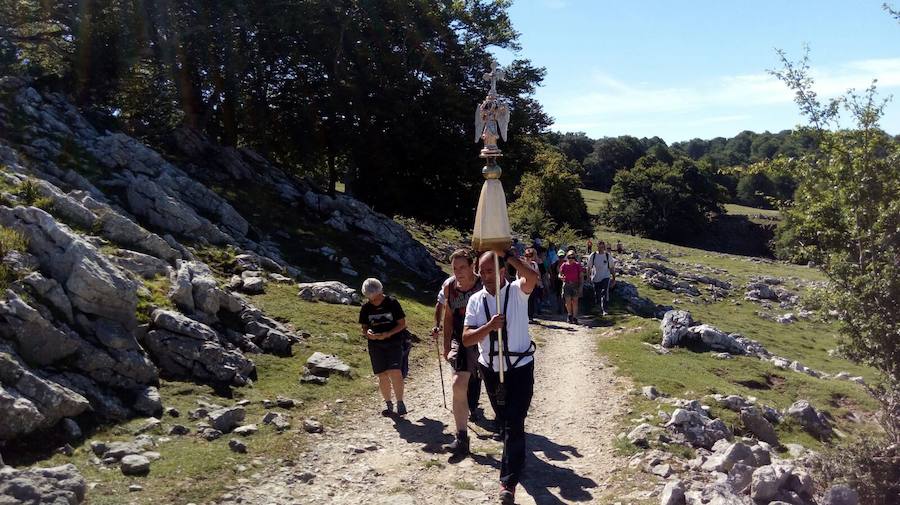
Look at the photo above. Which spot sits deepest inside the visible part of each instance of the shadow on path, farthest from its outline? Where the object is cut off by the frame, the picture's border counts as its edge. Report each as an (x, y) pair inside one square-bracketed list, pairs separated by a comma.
[(426, 431), (541, 476)]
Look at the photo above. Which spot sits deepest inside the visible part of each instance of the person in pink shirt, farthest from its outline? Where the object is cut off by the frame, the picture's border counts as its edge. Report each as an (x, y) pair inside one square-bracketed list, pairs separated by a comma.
[(570, 274)]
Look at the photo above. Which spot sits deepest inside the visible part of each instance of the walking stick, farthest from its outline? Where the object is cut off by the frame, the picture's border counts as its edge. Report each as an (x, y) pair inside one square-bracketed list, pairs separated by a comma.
[(437, 348)]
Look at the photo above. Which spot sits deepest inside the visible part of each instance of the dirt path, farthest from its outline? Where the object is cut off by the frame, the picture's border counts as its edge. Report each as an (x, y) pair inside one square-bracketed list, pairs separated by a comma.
[(375, 460)]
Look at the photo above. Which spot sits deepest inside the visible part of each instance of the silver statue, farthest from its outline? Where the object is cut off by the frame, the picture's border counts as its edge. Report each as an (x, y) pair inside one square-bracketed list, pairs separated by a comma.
[(492, 116)]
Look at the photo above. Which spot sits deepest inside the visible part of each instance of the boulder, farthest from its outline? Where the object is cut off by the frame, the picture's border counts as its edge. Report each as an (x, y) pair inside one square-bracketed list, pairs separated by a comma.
[(312, 426), (674, 326), (641, 435), (329, 292), (323, 365), (812, 420), (754, 421), (226, 419), (59, 485), (31, 403), (135, 464), (237, 446), (840, 494), (697, 429), (768, 482), (40, 342), (716, 339), (740, 477), (253, 285), (148, 402), (672, 493), (186, 356)]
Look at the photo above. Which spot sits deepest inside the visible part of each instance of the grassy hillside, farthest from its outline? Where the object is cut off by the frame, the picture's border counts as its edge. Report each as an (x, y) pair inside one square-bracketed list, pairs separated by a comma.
[(595, 201), (688, 374)]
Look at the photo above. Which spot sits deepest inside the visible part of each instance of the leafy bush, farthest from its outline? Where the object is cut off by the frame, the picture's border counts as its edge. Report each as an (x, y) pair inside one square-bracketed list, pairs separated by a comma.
[(662, 201), (30, 195), (548, 201)]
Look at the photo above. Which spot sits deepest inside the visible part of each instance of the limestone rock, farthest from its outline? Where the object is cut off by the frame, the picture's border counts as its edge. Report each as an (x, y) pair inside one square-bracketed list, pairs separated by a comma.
[(675, 326), (756, 423), (135, 464), (840, 495), (226, 419), (672, 494), (323, 365), (812, 420), (329, 292), (52, 486)]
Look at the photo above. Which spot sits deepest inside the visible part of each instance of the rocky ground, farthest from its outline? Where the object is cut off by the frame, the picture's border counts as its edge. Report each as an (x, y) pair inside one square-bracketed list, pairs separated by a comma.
[(371, 459)]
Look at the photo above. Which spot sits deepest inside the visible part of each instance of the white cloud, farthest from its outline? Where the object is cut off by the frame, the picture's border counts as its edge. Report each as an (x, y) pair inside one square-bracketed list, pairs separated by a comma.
[(727, 99)]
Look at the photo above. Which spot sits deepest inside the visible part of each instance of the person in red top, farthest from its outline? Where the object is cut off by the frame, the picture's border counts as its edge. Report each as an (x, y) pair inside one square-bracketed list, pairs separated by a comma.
[(570, 273)]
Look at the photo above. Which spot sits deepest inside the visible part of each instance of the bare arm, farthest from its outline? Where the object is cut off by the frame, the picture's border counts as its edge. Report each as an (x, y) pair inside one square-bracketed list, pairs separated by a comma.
[(529, 275)]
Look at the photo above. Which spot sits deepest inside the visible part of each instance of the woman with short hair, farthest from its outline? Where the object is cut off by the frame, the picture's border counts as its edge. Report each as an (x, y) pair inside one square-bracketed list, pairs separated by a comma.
[(384, 326)]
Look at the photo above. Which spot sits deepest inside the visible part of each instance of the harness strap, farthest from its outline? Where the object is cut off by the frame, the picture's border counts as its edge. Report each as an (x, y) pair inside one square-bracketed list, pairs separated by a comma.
[(494, 338)]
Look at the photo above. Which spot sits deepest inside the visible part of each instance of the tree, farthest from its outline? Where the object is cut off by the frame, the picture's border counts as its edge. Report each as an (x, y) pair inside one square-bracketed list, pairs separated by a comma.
[(549, 199), (753, 188), (846, 218), (662, 201)]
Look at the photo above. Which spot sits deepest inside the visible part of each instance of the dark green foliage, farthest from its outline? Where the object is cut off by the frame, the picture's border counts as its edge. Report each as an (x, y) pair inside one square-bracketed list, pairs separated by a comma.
[(379, 94), (548, 203), (662, 201)]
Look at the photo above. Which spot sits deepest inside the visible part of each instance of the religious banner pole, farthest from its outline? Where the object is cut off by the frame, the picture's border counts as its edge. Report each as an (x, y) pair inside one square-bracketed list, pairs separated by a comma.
[(491, 231)]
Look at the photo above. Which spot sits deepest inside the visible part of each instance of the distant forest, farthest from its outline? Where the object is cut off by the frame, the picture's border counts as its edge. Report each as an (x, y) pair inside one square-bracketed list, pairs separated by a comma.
[(598, 160)]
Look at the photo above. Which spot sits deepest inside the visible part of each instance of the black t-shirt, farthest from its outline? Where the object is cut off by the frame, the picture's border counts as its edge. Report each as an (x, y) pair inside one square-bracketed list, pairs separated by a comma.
[(382, 318)]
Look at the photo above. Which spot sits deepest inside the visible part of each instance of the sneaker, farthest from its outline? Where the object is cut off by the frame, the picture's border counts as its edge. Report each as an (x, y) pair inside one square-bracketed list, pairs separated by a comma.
[(574, 320), (388, 409), (401, 409), (507, 495), (459, 446), (605, 313)]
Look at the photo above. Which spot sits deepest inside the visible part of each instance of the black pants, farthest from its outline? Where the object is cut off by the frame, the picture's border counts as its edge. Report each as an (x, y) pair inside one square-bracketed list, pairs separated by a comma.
[(474, 391), (519, 385), (601, 293)]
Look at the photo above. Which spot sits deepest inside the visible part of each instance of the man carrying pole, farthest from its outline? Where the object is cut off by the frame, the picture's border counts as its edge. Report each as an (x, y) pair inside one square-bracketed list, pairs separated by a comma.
[(484, 325)]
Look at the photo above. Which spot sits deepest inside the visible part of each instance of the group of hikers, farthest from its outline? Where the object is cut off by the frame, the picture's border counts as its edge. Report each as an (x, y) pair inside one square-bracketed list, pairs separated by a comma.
[(468, 326)]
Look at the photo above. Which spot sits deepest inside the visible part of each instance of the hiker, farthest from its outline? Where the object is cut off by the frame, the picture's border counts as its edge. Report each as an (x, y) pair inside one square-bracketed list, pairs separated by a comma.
[(384, 325), (570, 274), (620, 249), (454, 295), (511, 401), (531, 260), (602, 268), (557, 281)]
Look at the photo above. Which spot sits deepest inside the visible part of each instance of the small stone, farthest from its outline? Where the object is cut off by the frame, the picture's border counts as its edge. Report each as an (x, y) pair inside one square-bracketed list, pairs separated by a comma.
[(312, 426), (650, 392), (99, 448), (663, 470), (840, 495), (672, 494), (246, 430), (152, 424), (285, 403), (237, 446), (179, 430), (66, 450), (135, 487), (134, 464), (172, 412)]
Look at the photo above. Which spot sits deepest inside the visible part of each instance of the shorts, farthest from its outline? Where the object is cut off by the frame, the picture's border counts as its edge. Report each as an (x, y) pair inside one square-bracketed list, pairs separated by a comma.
[(465, 361), (571, 289), (386, 355)]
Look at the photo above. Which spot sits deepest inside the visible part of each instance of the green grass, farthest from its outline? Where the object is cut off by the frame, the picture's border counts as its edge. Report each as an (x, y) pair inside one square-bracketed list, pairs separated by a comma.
[(740, 210), (155, 296), (464, 485), (595, 200), (688, 374)]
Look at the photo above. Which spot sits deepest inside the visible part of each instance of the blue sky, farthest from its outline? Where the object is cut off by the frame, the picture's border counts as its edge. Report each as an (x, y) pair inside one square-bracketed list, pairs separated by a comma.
[(681, 69)]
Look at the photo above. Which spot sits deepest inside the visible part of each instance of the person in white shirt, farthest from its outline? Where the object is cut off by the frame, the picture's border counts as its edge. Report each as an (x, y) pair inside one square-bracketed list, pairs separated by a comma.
[(602, 268), (511, 401)]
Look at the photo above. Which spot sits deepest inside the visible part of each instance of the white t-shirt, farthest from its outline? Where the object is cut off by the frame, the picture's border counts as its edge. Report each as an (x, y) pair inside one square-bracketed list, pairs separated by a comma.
[(516, 321), (600, 264), (441, 299)]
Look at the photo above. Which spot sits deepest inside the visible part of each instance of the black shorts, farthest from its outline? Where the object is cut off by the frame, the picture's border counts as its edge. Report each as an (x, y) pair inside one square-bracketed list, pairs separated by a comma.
[(463, 359), (386, 355)]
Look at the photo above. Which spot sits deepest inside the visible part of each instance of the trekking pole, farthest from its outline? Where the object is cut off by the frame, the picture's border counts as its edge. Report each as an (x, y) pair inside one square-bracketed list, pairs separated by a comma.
[(437, 348)]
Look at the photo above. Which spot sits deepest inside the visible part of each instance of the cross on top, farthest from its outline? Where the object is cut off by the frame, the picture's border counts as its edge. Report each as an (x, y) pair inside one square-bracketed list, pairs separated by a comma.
[(493, 76)]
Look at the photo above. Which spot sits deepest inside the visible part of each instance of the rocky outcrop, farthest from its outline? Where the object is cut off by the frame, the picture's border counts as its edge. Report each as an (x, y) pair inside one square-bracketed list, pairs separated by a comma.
[(329, 292), (59, 485)]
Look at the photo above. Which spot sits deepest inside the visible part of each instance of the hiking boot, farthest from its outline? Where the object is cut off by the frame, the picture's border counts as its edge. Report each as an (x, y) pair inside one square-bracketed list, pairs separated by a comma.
[(388, 409), (507, 495), (401, 409), (459, 446)]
